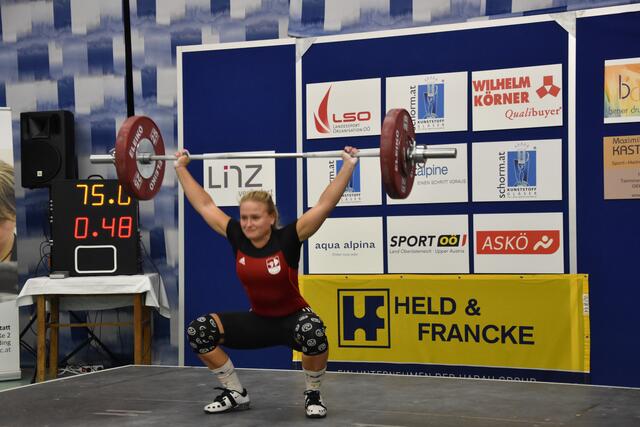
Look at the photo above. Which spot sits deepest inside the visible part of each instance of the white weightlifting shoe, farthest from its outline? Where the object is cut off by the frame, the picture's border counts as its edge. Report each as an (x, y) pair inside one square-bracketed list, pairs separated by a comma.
[(228, 400), (313, 404)]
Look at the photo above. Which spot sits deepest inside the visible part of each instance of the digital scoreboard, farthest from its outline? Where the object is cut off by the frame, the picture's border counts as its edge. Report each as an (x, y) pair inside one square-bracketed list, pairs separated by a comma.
[(94, 228)]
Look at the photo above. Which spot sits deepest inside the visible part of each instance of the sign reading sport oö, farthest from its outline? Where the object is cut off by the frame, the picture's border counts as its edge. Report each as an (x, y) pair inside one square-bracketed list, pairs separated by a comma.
[(428, 244), (346, 108)]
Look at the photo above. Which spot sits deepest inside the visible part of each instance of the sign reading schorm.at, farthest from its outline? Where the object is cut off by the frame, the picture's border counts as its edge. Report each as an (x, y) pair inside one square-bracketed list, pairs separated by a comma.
[(513, 171), (362, 189), (436, 102)]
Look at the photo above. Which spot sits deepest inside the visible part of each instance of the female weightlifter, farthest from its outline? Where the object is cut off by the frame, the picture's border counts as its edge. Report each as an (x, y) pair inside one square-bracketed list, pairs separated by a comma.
[(267, 265)]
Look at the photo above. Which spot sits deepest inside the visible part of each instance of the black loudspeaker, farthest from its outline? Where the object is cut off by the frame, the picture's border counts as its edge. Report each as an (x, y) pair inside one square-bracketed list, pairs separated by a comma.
[(47, 146)]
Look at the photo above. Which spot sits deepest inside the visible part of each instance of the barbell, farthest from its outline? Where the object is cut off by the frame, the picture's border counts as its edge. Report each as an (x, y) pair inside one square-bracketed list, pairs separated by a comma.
[(140, 158)]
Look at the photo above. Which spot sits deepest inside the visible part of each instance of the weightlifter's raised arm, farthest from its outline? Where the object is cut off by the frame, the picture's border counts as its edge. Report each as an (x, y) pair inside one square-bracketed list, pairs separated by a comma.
[(198, 197), (311, 220)]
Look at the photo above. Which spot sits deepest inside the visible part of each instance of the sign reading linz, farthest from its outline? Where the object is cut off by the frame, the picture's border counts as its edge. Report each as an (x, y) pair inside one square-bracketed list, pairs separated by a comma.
[(364, 318)]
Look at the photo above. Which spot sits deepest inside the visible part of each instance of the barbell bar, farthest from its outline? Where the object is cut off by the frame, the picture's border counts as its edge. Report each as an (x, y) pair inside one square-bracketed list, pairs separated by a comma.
[(420, 154), (140, 159)]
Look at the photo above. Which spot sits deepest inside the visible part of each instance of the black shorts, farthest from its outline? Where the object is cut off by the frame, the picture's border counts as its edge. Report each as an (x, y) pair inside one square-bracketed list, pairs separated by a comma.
[(247, 330)]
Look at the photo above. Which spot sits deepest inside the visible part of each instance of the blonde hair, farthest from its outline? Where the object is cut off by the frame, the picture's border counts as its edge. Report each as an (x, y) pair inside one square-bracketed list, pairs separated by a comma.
[(7, 193), (262, 197)]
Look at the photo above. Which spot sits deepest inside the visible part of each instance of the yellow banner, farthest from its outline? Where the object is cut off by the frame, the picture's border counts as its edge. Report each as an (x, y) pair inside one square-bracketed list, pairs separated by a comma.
[(514, 321)]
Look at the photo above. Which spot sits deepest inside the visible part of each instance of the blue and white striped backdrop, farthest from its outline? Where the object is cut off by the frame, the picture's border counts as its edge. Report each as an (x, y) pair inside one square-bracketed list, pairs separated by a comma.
[(322, 17)]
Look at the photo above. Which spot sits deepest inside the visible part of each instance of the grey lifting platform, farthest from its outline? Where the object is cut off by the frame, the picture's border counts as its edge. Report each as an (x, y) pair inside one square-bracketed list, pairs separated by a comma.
[(174, 396)]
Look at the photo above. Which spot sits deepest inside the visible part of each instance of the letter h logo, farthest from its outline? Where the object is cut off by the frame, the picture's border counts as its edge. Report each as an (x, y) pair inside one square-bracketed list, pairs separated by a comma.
[(364, 318)]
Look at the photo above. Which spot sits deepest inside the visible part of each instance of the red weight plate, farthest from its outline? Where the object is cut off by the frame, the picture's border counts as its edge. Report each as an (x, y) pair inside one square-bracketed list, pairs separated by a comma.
[(398, 170), (139, 135)]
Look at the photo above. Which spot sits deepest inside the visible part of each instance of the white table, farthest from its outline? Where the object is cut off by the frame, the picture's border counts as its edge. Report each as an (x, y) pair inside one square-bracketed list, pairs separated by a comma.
[(94, 293)]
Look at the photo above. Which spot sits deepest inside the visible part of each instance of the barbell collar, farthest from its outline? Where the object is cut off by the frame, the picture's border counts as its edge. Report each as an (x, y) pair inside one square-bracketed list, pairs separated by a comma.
[(101, 158), (421, 153)]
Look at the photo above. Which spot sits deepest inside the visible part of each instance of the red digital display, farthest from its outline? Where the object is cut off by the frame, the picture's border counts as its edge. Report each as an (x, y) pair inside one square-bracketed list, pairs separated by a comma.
[(114, 227)]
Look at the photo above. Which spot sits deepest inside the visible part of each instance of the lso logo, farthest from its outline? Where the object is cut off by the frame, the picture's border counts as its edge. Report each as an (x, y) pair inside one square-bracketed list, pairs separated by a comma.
[(327, 121)]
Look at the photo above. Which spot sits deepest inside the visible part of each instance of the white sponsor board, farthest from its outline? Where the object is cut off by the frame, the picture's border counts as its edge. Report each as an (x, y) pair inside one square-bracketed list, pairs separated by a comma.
[(439, 180), (518, 243), (9, 318), (621, 90), (428, 244), (517, 170), (6, 133), (513, 98), (347, 246), (9, 338), (436, 102), (227, 180), (364, 185), (345, 108)]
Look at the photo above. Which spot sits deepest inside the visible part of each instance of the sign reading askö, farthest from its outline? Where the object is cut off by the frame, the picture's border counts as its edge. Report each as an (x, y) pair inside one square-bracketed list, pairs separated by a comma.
[(485, 320), (518, 243)]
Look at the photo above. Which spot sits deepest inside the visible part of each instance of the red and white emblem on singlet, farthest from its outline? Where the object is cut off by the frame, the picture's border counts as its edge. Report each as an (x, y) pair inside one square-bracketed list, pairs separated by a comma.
[(273, 265)]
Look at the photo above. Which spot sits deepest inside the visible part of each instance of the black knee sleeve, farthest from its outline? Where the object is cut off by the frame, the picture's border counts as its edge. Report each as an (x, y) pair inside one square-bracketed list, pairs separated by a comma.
[(203, 334), (309, 334)]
